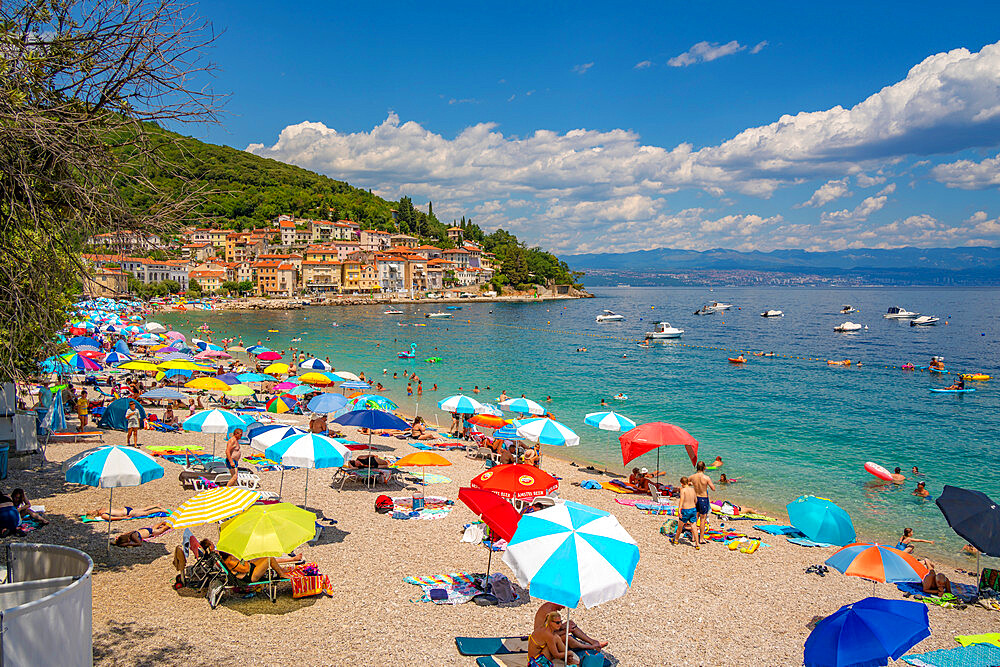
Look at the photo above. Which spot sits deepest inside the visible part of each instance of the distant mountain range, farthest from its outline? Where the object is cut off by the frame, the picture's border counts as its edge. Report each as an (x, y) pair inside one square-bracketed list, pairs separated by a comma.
[(931, 266)]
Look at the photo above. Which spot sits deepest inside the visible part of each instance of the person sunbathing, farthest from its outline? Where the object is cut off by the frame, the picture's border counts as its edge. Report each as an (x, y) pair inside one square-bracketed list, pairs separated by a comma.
[(119, 513), (135, 538), (169, 418), (256, 568), (368, 461), (547, 618), (936, 584), (419, 430)]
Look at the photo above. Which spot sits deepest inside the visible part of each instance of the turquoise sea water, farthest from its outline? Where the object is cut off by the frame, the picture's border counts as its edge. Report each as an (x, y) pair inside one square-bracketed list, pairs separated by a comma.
[(785, 426)]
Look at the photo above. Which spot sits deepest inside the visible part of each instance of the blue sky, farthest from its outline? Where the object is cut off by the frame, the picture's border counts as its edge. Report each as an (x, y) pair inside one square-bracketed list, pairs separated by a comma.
[(583, 127)]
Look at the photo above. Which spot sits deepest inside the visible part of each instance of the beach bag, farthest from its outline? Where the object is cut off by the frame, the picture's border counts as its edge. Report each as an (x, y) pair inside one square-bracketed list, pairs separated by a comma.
[(502, 589), (989, 579), (383, 504)]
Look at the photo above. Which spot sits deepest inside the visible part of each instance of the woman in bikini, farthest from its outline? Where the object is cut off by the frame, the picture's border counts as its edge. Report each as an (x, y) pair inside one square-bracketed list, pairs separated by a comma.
[(135, 538), (119, 513), (545, 646)]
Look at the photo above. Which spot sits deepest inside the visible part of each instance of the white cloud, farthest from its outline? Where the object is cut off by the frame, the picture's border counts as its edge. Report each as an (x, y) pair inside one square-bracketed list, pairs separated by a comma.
[(465, 100), (827, 192), (759, 47), (704, 52), (643, 64), (888, 190), (582, 69), (935, 109), (860, 213), (969, 175)]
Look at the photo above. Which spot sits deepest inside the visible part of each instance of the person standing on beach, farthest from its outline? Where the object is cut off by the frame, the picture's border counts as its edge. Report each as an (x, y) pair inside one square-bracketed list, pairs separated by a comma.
[(233, 455), (702, 483), (132, 420), (687, 513), (82, 409)]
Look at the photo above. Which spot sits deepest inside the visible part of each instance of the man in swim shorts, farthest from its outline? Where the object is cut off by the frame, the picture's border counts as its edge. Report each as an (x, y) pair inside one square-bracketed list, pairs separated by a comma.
[(701, 483), (688, 516)]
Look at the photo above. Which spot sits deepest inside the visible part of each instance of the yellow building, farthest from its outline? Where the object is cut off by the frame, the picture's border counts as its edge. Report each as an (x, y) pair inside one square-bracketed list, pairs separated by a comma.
[(351, 276)]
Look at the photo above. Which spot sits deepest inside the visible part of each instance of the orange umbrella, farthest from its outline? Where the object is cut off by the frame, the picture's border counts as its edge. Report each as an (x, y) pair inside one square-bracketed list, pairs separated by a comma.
[(877, 563), (422, 459), (489, 421)]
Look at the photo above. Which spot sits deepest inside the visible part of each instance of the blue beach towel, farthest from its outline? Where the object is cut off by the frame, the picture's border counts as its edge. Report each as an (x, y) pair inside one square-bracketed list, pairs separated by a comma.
[(590, 484), (780, 530), (964, 592), (977, 655), (806, 542)]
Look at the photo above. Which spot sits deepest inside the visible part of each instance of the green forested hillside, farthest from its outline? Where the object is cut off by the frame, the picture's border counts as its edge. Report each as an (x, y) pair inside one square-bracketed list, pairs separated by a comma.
[(244, 191)]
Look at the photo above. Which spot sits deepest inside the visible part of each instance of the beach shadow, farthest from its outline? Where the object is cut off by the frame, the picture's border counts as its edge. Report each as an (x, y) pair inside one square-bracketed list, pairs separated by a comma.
[(260, 605), (330, 535), (141, 646)]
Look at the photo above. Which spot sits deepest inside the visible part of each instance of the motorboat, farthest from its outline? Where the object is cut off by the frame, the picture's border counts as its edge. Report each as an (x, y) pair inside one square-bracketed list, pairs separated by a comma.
[(847, 308), (925, 321), (772, 313), (714, 307), (438, 315), (392, 312), (847, 326), (897, 313), (664, 330), (610, 316)]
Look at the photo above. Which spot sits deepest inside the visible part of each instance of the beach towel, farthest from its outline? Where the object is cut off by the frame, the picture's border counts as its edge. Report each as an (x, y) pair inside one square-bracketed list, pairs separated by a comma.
[(780, 530), (590, 484), (988, 638), (434, 508), (435, 447), (519, 660), (458, 587), (977, 655), (610, 486), (307, 581), (989, 579), (29, 524), (491, 645), (964, 592), (806, 542), (154, 515), (430, 478)]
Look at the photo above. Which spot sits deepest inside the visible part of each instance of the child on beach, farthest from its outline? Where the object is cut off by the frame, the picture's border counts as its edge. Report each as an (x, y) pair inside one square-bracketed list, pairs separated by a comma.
[(688, 516), (906, 541)]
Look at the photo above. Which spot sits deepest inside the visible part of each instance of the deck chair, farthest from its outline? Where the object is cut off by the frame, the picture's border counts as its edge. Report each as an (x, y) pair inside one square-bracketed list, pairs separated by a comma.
[(368, 477), (219, 580)]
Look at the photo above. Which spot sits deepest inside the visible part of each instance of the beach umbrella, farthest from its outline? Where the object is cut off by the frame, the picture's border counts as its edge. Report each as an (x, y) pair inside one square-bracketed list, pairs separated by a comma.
[(315, 379), (523, 406), (974, 516), (164, 394), (315, 364), (371, 419), (308, 450), (213, 421), (213, 505), (208, 384), (213, 354), (546, 431), (177, 356), (609, 421), (113, 358), (489, 409), (325, 403), (647, 437), (355, 384), (459, 403), (120, 346), (262, 437), (269, 356), (489, 421), (235, 348), (112, 467), (155, 327), (254, 349), (278, 369), (422, 459), (93, 355), (255, 377), (83, 340), (228, 378), (866, 633), (267, 530), (181, 365), (302, 390), (345, 375), (81, 363), (281, 404), (172, 373), (571, 554), (370, 402), (137, 366), (516, 481), (175, 335), (821, 520), (238, 391), (508, 432), (877, 563), (497, 513)]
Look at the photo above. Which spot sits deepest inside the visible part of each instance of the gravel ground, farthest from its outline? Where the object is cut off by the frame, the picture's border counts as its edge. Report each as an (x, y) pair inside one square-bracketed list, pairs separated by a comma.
[(685, 607)]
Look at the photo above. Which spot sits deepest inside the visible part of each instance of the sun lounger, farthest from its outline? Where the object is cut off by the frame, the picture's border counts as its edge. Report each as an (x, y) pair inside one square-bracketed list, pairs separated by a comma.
[(367, 476), (502, 646), (223, 581), (515, 660), (73, 436)]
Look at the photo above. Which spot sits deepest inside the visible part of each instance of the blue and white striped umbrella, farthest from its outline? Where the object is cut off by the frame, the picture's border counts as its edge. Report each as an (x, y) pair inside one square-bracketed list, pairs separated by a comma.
[(546, 431), (308, 450), (355, 384), (110, 467), (214, 421), (116, 358), (460, 403), (508, 432), (490, 409), (315, 365), (262, 437), (609, 421), (164, 394), (257, 349), (524, 406), (571, 553)]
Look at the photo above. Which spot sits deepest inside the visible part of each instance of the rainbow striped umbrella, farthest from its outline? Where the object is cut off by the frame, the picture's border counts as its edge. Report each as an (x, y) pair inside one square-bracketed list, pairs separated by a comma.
[(283, 403), (213, 505)]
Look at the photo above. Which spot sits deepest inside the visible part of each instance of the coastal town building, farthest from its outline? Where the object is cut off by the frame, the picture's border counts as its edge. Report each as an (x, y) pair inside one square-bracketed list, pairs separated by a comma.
[(197, 252), (391, 273), (210, 281), (126, 241), (368, 281), (459, 256), (110, 283), (455, 235), (351, 276), (374, 240), (321, 276), (404, 240), (275, 278)]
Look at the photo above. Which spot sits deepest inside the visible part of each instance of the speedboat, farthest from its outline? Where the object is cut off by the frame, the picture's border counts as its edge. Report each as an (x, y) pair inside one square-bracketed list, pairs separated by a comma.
[(847, 326), (392, 312), (848, 308), (438, 315), (664, 330), (610, 316), (772, 313), (897, 313), (714, 307), (453, 308), (925, 321)]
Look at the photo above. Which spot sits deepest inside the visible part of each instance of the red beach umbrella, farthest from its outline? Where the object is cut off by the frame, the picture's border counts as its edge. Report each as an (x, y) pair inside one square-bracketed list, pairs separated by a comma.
[(516, 480), (647, 437), (269, 356), (495, 512)]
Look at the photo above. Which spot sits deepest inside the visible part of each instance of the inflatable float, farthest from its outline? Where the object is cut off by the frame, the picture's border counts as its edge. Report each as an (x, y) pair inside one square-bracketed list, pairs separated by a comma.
[(432, 360), (737, 360), (878, 471), (845, 362), (408, 355), (620, 397), (953, 391), (980, 377)]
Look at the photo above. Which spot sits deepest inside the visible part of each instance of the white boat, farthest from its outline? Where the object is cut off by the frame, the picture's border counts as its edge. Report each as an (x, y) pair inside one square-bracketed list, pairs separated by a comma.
[(610, 316), (925, 321), (847, 308), (847, 326), (392, 312), (772, 313), (714, 307), (664, 330), (438, 315), (897, 313)]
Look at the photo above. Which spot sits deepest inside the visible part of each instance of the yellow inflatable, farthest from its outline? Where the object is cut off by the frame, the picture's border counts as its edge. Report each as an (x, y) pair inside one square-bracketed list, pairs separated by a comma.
[(982, 377)]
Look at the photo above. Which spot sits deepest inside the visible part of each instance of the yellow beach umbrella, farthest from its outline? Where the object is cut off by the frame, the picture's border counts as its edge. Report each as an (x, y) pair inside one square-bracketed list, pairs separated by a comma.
[(137, 366), (277, 369), (181, 365), (315, 378), (267, 530), (209, 384), (212, 505), (239, 390)]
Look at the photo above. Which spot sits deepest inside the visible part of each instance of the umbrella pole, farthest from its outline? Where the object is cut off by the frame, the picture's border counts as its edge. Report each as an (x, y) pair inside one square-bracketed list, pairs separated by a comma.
[(110, 499), (657, 463), (489, 561), (566, 657), (305, 499), (281, 483)]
